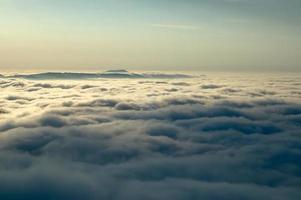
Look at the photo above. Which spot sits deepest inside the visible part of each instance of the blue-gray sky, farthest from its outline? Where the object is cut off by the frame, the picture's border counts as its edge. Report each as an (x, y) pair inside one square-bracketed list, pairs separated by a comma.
[(150, 34)]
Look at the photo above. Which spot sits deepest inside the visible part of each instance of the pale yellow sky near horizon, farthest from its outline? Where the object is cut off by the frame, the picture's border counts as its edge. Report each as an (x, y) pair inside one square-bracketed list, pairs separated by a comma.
[(45, 35)]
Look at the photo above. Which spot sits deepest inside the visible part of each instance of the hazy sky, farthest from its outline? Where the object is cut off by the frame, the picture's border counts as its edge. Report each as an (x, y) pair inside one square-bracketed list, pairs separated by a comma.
[(150, 34)]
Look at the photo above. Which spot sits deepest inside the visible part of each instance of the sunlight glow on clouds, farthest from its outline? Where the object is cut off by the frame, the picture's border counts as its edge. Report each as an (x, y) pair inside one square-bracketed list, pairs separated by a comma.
[(214, 136)]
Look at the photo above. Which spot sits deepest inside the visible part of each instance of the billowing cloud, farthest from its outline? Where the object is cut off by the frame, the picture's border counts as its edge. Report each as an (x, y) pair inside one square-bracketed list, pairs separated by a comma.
[(197, 138)]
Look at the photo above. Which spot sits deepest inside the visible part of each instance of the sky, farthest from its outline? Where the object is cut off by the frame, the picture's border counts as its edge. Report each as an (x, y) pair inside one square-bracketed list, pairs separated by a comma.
[(179, 35)]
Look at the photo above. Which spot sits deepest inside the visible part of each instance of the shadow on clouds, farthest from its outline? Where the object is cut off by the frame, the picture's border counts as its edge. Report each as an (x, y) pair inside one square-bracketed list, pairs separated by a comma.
[(168, 148)]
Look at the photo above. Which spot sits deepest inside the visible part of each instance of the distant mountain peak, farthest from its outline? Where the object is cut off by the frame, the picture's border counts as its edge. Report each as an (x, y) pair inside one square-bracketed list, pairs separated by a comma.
[(107, 74), (117, 71)]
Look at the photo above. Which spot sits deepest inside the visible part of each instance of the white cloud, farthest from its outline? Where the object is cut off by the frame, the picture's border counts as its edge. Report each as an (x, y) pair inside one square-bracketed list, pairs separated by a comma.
[(214, 137)]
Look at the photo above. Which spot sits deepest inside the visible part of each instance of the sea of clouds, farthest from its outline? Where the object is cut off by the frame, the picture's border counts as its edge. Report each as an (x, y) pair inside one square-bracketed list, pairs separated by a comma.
[(214, 136)]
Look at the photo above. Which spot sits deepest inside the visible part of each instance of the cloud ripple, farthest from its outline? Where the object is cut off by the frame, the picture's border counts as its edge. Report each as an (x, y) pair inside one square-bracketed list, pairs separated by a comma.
[(116, 139)]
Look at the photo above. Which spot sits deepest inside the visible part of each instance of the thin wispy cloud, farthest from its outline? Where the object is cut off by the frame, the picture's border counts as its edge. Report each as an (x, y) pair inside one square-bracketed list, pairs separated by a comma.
[(176, 26)]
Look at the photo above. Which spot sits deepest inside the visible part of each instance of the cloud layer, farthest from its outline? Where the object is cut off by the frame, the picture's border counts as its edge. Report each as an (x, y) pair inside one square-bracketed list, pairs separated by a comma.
[(217, 136)]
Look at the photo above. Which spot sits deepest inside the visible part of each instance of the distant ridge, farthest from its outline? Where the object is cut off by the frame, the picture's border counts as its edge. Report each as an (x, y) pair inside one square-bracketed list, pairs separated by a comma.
[(118, 74), (117, 71), (56, 75)]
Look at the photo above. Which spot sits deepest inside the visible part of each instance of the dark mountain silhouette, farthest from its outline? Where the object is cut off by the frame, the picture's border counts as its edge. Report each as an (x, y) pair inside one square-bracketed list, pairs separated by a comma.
[(107, 74)]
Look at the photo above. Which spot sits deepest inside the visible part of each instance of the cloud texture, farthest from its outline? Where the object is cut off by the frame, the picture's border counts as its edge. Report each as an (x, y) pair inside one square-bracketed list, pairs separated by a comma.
[(220, 136)]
